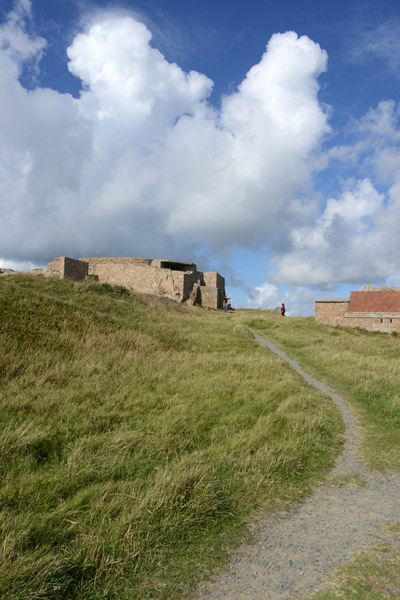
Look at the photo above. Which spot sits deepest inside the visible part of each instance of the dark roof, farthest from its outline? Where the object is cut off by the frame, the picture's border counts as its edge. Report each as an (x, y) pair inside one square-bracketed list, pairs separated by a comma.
[(374, 302)]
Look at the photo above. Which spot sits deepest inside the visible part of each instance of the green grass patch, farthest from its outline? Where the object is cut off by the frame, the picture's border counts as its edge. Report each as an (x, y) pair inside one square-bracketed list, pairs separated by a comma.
[(373, 575), (362, 365), (136, 437), (348, 479)]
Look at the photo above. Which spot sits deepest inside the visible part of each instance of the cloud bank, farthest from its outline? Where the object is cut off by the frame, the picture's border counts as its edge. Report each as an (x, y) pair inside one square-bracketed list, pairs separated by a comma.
[(356, 236), (143, 164)]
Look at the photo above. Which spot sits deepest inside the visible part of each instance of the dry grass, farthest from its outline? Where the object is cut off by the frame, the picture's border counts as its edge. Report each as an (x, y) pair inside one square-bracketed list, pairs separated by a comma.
[(362, 365), (373, 575), (136, 438)]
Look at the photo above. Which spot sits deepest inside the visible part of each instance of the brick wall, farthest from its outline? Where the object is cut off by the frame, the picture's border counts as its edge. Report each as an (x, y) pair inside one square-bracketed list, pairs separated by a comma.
[(331, 312)]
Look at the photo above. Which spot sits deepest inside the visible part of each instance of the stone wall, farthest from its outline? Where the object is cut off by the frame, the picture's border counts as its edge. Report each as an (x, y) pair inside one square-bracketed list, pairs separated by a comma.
[(141, 276), (213, 279), (137, 276), (210, 297), (173, 265), (188, 281), (75, 270), (174, 279), (331, 312), (168, 283), (56, 267), (374, 310), (384, 322), (68, 268), (115, 260)]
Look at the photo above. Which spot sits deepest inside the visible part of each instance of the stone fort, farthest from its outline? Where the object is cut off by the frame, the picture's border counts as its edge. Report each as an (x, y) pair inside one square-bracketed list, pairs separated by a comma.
[(372, 309), (180, 281)]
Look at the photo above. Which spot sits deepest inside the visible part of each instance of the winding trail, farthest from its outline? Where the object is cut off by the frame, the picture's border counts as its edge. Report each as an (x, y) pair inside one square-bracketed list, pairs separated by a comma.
[(295, 552)]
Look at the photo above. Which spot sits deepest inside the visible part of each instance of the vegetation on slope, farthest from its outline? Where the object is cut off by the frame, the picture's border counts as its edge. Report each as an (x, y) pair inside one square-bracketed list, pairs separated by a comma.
[(362, 365), (136, 436)]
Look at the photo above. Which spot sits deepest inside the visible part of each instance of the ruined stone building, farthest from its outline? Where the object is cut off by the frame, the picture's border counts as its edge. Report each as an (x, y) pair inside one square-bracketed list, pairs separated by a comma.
[(180, 281), (372, 309)]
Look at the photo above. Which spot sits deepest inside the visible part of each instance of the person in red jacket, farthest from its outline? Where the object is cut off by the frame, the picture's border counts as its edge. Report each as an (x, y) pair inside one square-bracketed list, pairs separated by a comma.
[(283, 310)]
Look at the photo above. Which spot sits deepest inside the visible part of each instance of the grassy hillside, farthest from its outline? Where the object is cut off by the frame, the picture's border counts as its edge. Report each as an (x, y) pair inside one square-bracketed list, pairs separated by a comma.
[(364, 366), (136, 436)]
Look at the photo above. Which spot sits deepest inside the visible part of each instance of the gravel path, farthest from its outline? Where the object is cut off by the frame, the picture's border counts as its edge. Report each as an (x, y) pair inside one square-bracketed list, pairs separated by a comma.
[(294, 553)]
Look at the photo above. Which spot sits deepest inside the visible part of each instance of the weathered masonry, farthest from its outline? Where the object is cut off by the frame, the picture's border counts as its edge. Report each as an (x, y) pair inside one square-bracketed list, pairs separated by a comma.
[(178, 280), (371, 309)]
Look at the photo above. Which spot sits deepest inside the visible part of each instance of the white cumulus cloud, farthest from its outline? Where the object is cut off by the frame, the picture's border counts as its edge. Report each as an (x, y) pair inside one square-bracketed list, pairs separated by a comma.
[(141, 163), (298, 301), (356, 236)]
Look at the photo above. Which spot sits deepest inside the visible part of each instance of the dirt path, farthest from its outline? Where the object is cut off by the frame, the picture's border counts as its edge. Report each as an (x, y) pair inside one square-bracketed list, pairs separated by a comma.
[(294, 553)]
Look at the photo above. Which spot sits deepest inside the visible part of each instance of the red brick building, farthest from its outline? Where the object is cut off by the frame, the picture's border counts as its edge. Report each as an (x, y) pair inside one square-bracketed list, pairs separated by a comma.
[(377, 310)]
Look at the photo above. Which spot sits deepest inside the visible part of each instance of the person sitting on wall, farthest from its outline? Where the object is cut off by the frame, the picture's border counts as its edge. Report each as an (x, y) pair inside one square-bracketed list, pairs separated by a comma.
[(283, 310)]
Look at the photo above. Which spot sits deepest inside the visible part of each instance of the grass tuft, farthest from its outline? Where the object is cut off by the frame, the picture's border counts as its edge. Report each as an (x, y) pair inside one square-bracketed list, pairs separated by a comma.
[(136, 438), (374, 575)]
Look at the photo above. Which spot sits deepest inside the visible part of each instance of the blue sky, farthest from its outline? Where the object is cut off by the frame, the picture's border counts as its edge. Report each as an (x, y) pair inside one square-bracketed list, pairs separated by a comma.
[(260, 139)]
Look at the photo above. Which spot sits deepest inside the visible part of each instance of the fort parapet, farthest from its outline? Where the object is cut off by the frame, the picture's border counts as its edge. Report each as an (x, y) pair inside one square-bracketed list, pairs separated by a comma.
[(67, 268), (178, 280)]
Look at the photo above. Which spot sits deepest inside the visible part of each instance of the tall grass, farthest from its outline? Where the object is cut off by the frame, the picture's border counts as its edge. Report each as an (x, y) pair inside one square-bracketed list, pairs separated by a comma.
[(363, 365), (136, 436)]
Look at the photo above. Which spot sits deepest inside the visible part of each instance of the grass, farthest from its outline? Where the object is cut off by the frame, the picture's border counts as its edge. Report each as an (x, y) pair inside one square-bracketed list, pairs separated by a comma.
[(363, 366), (349, 479), (136, 438), (373, 575)]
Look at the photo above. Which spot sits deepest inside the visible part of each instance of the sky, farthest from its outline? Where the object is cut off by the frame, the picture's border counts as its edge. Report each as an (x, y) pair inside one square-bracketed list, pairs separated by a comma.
[(258, 139)]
